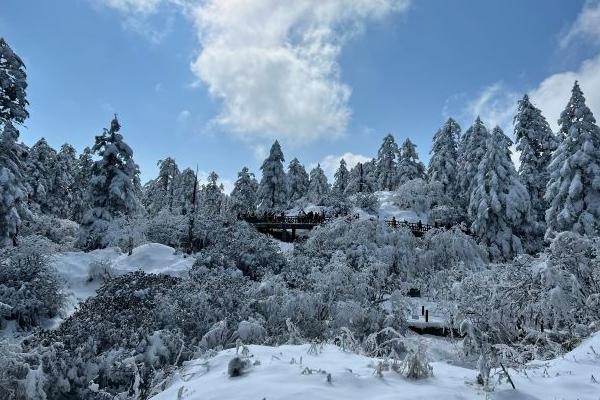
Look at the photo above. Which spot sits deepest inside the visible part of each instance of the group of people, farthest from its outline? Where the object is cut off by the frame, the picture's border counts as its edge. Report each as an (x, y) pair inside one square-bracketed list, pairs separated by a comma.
[(269, 216)]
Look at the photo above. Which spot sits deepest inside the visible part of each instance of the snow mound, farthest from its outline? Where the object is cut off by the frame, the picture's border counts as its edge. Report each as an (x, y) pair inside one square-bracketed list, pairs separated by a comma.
[(74, 268), (296, 372), (387, 209), (293, 372)]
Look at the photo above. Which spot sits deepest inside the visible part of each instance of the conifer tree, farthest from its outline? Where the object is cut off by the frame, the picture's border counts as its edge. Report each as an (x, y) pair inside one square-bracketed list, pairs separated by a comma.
[(472, 149), (184, 192), (342, 177), (112, 191), (62, 173), (40, 162), (409, 166), (386, 166), (85, 164), (212, 195), (243, 196), (443, 165), (318, 187), (159, 193), (359, 180), (13, 85), (499, 206), (13, 192), (536, 142), (297, 180), (272, 191), (573, 190)]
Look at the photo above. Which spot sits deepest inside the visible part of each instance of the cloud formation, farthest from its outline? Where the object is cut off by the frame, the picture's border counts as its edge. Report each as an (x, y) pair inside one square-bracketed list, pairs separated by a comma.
[(273, 64), (331, 163), (586, 26)]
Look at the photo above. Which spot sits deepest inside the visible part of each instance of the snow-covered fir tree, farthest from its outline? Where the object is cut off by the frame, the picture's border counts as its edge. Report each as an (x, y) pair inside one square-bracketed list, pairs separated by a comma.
[(112, 188), (243, 196), (184, 192), (13, 191), (409, 166), (443, 165), (297, 181), (342, 177), (499, 206), (13, 85), (61, 194), (359, 180), (159, 193), (471, 151), (85, 164), (40, 161), (212, 195), (386, 170), (272, 191), (318, 187), (573, 191), (536, 142)]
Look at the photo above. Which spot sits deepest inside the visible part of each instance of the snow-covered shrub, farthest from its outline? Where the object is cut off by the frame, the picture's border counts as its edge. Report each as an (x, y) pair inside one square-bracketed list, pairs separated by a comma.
[(237, 366), (125, 232), (366, 201), (60, 231), (167, 228), (29, 284), (419, 195), (446, 215), (101, 270), (251, 332), (416, 364)]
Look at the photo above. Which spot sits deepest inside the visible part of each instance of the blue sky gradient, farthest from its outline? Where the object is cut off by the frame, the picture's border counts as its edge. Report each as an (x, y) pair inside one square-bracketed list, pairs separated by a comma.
[(407, 72)]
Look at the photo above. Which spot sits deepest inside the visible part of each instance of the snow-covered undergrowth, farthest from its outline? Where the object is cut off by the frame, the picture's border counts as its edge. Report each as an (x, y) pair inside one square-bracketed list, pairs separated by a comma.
[(300, 372)]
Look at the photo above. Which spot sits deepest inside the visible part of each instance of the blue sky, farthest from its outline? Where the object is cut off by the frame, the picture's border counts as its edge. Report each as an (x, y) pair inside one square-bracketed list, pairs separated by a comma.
[(213, 82)]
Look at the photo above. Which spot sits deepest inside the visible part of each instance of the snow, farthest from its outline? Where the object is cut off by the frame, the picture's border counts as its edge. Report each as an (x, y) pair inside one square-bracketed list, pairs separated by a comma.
[(283, 373), (74, 268), (387, 209)]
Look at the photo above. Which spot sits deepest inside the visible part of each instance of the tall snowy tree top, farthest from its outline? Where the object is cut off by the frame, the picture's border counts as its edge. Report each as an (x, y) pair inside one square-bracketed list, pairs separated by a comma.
[(275, 154), (409, 150), (13, 85), (532, 130), (341, 177), (273, 184), (318, 187), (444, 156), (388, 149), (386, 164), (576, 117)]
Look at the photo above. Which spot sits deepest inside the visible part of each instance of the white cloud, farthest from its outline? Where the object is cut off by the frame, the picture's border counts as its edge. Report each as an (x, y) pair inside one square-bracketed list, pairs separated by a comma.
[(552, 95), (183, 116), (586, 26), (496, 105), (331, 163), (227, 183), (274, 64)]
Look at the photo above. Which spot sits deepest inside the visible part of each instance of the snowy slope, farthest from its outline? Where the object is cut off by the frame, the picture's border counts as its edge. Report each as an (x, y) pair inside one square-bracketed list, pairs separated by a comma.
[(279, 375), (387, 209), (74, 268)]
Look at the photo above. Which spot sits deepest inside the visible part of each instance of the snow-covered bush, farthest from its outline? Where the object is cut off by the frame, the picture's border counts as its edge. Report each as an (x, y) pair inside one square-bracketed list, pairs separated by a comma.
[(446, 215), (101, 270), (29, 285), (366, 201), (416, 364), (419, 195), (167, 228), (60, 231)]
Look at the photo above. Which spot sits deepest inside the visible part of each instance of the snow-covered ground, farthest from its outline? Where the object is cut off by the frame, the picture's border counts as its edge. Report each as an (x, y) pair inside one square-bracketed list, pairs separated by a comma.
[(293, 372), (74, 268), (387, 209)]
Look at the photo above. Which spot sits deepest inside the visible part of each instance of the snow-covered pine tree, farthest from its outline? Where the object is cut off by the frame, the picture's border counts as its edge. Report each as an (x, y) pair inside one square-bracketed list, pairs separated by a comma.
[(297, 180), (536, 142), (342, 177), (212, 195), (158, 193), (13, 192), (13, 85), (112, 191), (85, 163), (184, 192), (573, 191), (409, 166), (243, 196), (40, 161), (272, 191), (472, 149), (443, 165), (318, 187), (359, 180), (387, 178), (499, 206), (62, 171)]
